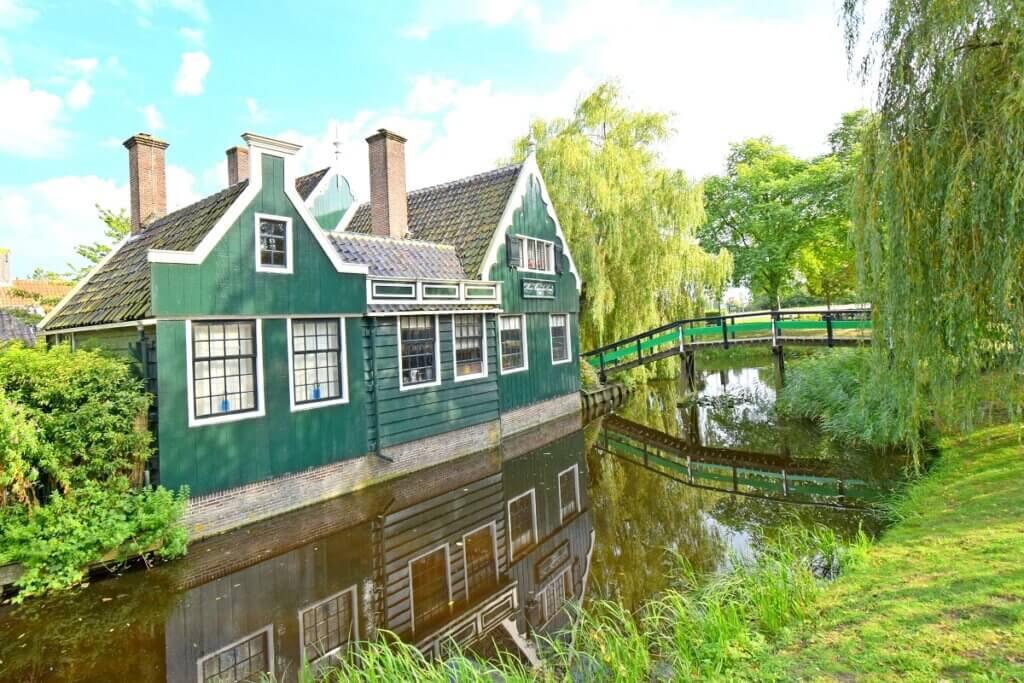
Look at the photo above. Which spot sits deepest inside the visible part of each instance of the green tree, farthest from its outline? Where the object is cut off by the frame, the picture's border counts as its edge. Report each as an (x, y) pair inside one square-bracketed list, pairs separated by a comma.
[(939, 200), (118, 226), (630, 222)]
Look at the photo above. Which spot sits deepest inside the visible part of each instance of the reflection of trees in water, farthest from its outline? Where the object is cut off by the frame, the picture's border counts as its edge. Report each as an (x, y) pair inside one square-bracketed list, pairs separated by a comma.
[(637, 516)]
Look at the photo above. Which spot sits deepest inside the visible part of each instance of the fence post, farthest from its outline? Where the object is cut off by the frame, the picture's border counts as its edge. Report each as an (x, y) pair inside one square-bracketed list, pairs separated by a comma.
[(603, 376), (639, 351), (725, 332), (828, 326), (775, 329)]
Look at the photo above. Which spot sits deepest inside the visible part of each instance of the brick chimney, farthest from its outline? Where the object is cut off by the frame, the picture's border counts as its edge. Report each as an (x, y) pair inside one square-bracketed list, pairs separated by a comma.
[(238, 164), (389, 206), (147, 179)]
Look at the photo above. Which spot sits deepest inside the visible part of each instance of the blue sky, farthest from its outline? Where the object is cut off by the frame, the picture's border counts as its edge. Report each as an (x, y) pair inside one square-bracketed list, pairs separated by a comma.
[(459, 79)]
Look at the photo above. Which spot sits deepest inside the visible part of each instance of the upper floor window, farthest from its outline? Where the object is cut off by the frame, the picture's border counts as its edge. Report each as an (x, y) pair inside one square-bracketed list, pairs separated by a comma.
[(317, 364), (273, 244), (469, 346), (537, 255), (418, 335), (224, 367), (480, 561), (559, 338), (512, 338), (568, 493), (431, 587), (522, 524)]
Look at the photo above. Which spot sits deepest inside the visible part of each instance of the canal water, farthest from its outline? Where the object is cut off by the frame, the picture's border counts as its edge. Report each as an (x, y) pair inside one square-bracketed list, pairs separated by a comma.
[(484, 551)]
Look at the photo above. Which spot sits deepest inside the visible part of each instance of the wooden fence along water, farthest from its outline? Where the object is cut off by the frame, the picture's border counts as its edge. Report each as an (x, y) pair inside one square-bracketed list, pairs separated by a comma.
[(846, 327)]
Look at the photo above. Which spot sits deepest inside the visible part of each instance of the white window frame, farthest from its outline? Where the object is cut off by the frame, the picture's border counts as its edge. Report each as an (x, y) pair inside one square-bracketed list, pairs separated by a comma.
[(261, 403), (268, 629), (483, 341), (508, 516), (465, 559), (545, 617), (355, 625), (568, 337), (526, 350), (440, 297), (437, 354), (342, 366), (448, 574), (393, 297), (576, 477), (549, 247), (289, 255), (494, 296)]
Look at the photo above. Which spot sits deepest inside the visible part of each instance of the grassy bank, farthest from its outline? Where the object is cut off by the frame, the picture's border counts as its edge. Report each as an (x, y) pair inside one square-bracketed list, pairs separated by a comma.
[(941, 596)]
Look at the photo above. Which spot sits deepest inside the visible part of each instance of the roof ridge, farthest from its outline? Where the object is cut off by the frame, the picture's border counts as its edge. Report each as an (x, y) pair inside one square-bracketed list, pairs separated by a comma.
[(459, 181), (381, 238)]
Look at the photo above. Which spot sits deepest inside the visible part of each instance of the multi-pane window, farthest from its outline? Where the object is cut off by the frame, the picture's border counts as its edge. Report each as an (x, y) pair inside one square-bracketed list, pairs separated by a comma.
[(328, 626), (469, 345), (273, 243), (537, 254), (554, 595), (419, 357), (521, 524), (431, 592), (559, 338), (481, 562), (316, 360), (568, 493), (249, 660), (513, 348), (224, 367)]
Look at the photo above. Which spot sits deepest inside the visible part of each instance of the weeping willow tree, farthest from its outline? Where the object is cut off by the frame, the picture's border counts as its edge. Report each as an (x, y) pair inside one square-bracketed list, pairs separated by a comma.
[(630, 221), (938, 206)]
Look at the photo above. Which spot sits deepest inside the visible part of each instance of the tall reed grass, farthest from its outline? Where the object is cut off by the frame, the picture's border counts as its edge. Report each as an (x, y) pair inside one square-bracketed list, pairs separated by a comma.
[(704, 628)]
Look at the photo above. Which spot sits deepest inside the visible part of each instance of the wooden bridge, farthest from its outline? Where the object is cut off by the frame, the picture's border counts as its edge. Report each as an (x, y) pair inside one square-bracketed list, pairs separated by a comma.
[(845, 327), (779, 478)]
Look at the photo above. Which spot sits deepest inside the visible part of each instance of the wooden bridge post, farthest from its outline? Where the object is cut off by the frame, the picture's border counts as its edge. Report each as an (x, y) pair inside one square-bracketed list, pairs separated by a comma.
[(602, 375), (725, 332), (828, 328), (690, 371), (780, 365)]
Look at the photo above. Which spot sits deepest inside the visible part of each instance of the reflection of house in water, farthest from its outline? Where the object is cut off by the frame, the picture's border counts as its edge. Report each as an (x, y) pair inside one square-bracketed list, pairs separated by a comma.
[(446, 559)]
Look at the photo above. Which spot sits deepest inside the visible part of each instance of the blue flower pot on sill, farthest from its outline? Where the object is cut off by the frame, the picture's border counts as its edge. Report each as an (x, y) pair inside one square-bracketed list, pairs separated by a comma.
[(225, 405), (316, 393)]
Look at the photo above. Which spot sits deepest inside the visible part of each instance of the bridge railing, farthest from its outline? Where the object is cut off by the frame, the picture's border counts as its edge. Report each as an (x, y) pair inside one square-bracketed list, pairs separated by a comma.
[(673, 338)]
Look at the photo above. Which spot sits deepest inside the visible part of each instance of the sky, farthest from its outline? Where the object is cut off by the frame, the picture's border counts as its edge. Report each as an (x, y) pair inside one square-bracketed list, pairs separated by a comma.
[(461, 80)]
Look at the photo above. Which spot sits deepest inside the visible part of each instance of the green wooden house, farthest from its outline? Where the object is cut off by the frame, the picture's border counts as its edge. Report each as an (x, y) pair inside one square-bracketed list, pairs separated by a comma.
[(300, 345)]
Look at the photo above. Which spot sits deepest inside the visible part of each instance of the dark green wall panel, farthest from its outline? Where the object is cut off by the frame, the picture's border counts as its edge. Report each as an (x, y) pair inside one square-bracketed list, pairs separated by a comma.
[(218, 456), (543, 380), (419, 413)]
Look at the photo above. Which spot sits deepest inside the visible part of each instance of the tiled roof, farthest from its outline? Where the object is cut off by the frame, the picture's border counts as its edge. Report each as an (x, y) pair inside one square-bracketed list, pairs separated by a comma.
[(385, 257), (430, 308), (120, 290), (12, 329), (40, 293), (463, 213)]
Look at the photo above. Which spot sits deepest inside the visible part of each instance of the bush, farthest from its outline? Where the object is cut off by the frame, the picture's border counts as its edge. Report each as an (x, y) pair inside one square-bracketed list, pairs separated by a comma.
[(838, 391), (588, 376), (70, 445)]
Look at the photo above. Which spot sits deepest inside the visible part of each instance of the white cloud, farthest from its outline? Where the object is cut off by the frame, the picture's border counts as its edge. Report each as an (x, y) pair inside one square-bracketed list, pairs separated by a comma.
[(44, 221), (154, 121), (436, 14), (113, 65), (80, 95), (415, 32), (255, 113), (430, 94), (191, 73), (14, 14), (196, 9), (196, 36), (83, 65), (29, 120)]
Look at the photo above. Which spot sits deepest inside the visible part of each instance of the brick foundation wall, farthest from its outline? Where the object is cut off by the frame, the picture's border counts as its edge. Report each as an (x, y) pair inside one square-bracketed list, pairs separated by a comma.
[(532, 415), (225, 510)]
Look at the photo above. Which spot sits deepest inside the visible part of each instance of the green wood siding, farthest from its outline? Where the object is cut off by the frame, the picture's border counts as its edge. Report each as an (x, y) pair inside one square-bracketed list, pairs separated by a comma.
[(219, 456), (543, 380), (421, 412), (226, 283), (331, 205)]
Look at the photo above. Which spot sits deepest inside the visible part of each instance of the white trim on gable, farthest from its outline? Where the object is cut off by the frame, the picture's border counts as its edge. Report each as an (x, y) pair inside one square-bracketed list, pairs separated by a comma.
[(522, 185), (41, 325), (258, 147)]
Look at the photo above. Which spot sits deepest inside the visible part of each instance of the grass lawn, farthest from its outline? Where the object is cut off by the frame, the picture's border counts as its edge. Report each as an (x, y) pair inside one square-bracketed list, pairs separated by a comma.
[(941, 596)]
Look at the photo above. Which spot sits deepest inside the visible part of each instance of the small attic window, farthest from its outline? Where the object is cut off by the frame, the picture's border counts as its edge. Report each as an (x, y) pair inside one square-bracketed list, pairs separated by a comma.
[(273, 244)]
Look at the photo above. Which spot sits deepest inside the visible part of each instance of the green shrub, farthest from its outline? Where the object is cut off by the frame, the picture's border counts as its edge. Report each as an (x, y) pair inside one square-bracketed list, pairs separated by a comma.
[(588, 376), (85, 405), (21, 451), (838, 391)]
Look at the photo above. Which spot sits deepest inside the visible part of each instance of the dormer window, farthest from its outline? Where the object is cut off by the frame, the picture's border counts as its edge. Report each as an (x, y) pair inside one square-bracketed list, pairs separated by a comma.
[(273, 244), (537, 256)]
